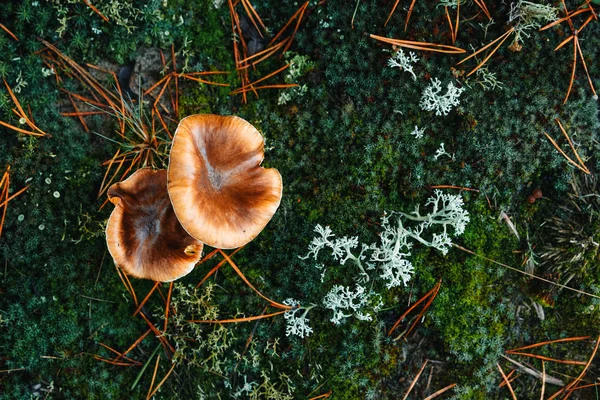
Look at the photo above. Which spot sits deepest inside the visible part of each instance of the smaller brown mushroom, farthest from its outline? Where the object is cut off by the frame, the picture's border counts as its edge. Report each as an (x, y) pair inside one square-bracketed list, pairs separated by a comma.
[(537, 193), (220, 193), (143, 235)]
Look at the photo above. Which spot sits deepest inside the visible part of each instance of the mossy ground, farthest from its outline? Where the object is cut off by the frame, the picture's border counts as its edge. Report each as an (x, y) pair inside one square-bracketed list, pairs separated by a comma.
[(346, 155)]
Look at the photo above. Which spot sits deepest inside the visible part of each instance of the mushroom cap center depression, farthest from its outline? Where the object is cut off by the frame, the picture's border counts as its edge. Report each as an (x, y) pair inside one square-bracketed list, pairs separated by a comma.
[(220, 193)]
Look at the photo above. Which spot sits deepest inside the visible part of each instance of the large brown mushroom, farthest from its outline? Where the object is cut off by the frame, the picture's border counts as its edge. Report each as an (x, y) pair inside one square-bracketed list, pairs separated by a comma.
[(220, 193), (143, 234)]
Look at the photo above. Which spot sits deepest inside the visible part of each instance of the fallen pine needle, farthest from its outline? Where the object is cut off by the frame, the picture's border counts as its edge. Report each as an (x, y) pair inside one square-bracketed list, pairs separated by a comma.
[(436, 394), (236, 320), (239, 272), (162, 381), (507, 382), (153, 377), (432, 293), (410, 388), (9, 32), (525, 273), (531, 346), (426, 46)]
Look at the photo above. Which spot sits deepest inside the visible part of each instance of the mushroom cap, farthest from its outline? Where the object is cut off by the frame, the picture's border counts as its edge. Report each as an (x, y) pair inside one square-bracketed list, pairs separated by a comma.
[(143, 234), (220, 193)]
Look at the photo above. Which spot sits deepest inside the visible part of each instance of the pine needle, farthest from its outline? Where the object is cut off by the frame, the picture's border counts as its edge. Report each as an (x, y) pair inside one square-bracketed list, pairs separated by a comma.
[(237, 270), (525, 273), (436, 394), (237, 320), (532, 346), (431, 294), (507, 382), (425, 46), (414, 381), (12, 35)]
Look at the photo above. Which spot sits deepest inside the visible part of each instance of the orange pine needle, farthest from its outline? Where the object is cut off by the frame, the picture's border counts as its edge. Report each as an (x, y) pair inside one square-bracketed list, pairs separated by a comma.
[(22, 114), (507, 382), (146, 298), (156, 112), (134, 345), (113, 362), (162, 381), (582, 168), (14, 128), (216, 268), (269, 50), (531, 346), (236, 320), (163, 341), (298, 21), (119, 354), (237, 270), (426, 46), (110, 164), (570, 362), (585, 65), (433, 292), (392, 12), (502, 39), (95, 10), (563, 19), (481, 4), (132, 291), (254, 88), (168, 306), (253, 16), (410, 388), (204, 73), (581, 375), (571, 144), (436, 394), (300, 10), (9, 32), (410, 10), (572, 73), (79, 115), (161, 80), (5, 202), (567, 40), (322, 396), (509, 377), (84, 77), (453, 187), (193, 78), (153, 377)]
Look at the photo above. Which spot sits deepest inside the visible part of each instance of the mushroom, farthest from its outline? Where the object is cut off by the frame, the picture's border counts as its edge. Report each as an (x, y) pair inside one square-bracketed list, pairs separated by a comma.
[(220, 193), (143, 234)]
